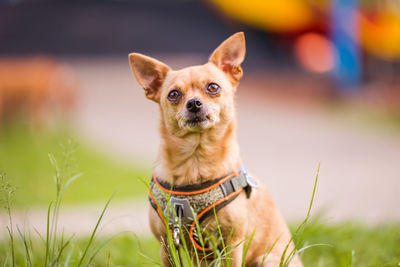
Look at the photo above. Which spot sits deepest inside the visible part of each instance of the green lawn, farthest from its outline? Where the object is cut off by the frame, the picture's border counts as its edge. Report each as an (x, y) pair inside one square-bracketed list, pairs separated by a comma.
[(25, 162), (372, 246), (24, 159), (123, 250)]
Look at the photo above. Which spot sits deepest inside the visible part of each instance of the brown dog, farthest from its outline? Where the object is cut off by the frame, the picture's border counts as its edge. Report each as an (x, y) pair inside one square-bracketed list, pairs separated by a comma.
[(199, 145)]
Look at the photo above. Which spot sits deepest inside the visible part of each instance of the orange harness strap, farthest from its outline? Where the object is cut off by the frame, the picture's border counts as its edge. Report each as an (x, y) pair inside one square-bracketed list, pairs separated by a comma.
[(192, 227), (205, 197)]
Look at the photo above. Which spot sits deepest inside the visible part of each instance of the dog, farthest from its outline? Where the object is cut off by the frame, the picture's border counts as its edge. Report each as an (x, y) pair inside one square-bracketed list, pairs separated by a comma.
[(199, 146)]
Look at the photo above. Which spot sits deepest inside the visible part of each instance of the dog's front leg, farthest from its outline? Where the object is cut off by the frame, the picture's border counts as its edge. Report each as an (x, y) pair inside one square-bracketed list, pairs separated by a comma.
[(237, 256), (165, 260)]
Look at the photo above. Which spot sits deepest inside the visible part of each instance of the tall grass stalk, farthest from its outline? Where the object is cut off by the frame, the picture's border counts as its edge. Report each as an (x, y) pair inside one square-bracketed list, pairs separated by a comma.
[(26, 249), (95, 230), (55, 243), (47, 233), (286, 260), (246, 247), (7, 191), (64, 175)]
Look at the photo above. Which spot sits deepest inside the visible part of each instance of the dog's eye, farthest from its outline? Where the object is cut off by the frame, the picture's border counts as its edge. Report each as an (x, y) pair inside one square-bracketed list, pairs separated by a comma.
[(174, 95), (213, 89)]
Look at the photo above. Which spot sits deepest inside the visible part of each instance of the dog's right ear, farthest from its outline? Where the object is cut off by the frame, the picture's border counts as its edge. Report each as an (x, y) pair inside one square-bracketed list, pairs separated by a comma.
[(150, 74)]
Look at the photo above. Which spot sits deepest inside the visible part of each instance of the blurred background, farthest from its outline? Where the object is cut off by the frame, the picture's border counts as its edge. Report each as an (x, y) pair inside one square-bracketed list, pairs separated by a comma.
[(321, 85)]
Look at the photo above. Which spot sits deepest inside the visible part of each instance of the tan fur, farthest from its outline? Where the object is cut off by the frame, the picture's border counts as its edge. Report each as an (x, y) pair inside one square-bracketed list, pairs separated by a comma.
[(195, 154)]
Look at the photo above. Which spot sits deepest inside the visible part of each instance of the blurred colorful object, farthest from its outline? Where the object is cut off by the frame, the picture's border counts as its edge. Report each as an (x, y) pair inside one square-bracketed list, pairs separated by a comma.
[(36, 88), (378, 26), (270, 15), (315, 52), (347, 62), (380, 34)]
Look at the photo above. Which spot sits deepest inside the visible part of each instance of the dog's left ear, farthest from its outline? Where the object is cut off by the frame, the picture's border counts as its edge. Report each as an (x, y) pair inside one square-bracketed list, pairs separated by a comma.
[(229, 55)]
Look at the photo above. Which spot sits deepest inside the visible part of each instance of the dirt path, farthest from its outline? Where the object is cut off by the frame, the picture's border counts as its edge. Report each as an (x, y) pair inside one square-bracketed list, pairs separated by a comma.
[(281, 144)]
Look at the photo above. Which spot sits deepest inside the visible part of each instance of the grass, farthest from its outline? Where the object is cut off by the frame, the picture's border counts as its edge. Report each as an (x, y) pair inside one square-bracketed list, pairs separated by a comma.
[(123, 250), (344, 244), (25, 247), (24, 159), (372, 245)]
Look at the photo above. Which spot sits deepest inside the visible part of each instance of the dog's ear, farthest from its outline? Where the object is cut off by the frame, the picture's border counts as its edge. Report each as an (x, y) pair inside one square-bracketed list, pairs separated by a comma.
[(150, 74), (229, 55)]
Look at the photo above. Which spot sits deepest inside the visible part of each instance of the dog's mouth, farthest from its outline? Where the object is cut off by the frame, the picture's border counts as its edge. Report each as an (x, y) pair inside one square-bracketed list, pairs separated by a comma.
[(198, 121)]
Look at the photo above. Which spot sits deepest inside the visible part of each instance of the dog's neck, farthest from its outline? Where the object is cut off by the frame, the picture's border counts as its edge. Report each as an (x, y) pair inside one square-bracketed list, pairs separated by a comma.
[(198, 157)]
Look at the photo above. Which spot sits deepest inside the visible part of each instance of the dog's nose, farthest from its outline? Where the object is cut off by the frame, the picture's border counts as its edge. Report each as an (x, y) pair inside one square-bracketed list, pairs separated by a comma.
[(194, 105)]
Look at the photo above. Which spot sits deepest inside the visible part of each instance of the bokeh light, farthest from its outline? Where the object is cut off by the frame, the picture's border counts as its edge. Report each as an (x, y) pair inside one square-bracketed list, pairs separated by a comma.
[(278, 16), (380, 34), (315, 52)]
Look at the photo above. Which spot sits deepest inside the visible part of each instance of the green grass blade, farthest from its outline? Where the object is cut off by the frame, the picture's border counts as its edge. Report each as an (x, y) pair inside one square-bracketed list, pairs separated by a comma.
[(28, 258), (351, 258), (102, 245), (12, 245), (246, 247), (150, 259), (63, 246), (39, 235), (303, 249), (144, 255), (267, 252), (70, 180), (95, 230), (67, 260), (47, 233), (219, 228), (200, 234), (5, 261), (284, 259)]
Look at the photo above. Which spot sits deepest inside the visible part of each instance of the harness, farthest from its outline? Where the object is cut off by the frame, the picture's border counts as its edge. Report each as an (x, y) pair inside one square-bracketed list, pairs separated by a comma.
[(186, 205)]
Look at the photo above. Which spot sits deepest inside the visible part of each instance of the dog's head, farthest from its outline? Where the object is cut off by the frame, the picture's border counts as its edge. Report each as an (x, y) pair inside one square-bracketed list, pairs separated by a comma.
[(196, 98)]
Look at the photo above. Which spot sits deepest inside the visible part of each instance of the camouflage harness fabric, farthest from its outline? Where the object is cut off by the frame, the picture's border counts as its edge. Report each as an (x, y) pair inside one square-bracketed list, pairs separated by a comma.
[(182, 206)]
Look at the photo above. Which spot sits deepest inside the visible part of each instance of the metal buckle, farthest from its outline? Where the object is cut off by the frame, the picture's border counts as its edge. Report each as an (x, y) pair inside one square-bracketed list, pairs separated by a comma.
[(179, 213), (236, 184), (250, 180), (176, 236)]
